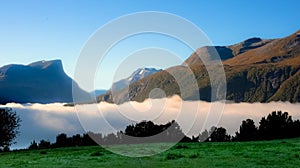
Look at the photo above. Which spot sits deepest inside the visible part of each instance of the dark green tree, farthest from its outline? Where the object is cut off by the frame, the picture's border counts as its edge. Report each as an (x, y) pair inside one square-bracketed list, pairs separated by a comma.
[(33, 145), (219, 135), (61, 140), (44, 144), (76, 140), (277, 125), (248, 131), (9, 124)]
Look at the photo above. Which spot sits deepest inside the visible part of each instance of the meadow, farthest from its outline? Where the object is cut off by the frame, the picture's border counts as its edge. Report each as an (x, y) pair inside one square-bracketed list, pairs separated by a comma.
[(276, 153)]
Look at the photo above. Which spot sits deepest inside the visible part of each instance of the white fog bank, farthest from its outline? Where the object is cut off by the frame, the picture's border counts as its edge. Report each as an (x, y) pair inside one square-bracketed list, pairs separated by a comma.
[(45, 121)]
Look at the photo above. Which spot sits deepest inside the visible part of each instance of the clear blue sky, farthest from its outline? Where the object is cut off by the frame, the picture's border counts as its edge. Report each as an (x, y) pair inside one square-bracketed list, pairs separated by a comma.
[(33, 30)]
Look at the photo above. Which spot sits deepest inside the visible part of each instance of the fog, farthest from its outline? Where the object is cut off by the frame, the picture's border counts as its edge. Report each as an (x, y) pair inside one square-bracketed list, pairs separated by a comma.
[(45, 121)]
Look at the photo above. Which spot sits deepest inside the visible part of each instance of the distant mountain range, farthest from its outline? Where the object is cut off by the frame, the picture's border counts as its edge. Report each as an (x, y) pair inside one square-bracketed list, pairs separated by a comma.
[(38, 82), (124, 84), (257, 70), (135, 76), (46, 82)]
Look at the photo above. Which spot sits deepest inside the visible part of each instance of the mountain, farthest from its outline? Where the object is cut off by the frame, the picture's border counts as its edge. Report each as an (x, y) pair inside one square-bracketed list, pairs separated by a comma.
[(136, 75), (257, 70), (38, 82), (284, 51), (210, 53), (122, 84)]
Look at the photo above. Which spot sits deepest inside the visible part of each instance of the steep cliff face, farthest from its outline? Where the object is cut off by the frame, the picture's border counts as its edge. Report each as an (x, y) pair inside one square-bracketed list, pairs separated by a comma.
[(38, 82), (262, 83)]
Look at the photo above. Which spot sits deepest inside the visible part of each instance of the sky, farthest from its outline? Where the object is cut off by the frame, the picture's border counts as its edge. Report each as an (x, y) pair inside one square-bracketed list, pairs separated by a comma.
[(34, 30)]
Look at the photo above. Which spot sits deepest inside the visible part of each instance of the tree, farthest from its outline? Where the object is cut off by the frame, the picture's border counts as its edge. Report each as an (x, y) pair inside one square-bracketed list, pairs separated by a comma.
[(9, 125), (110, 139), (219, 135), (87, 139), (277, 125), (76, 140), (169, 132), (295, 129), (175, 132), (61, 140), (248, 131), (33, 145), (203, 137), (44, 144)]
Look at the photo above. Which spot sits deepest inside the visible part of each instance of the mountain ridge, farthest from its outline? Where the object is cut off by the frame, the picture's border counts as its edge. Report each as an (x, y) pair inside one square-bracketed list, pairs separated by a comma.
[(136, 75), (257, 70), (38, 82)]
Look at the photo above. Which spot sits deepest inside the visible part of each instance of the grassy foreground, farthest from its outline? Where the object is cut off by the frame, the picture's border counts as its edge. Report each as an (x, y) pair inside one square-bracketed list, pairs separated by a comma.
[(277, 153)]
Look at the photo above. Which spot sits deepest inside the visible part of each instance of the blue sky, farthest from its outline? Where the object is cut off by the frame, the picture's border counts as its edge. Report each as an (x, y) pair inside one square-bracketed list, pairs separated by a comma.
[(35, 30)]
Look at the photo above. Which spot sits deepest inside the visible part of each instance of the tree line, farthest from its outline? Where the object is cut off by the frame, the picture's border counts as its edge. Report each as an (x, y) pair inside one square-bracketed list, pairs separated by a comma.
[(146, 131), (277, 125)]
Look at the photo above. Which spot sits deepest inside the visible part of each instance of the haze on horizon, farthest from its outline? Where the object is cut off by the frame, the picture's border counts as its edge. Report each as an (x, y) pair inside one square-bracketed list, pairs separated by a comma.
[(46, 121)]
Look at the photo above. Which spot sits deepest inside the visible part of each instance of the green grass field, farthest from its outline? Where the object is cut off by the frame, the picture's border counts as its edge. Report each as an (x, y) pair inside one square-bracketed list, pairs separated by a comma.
[(277, 153)]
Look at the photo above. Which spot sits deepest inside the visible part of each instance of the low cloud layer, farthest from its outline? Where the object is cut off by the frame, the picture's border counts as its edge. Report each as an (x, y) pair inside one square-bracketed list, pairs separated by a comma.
[(45, 121)]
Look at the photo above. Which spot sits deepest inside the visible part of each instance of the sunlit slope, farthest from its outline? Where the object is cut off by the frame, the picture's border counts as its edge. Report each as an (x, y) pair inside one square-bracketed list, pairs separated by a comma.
[(256, 71)]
